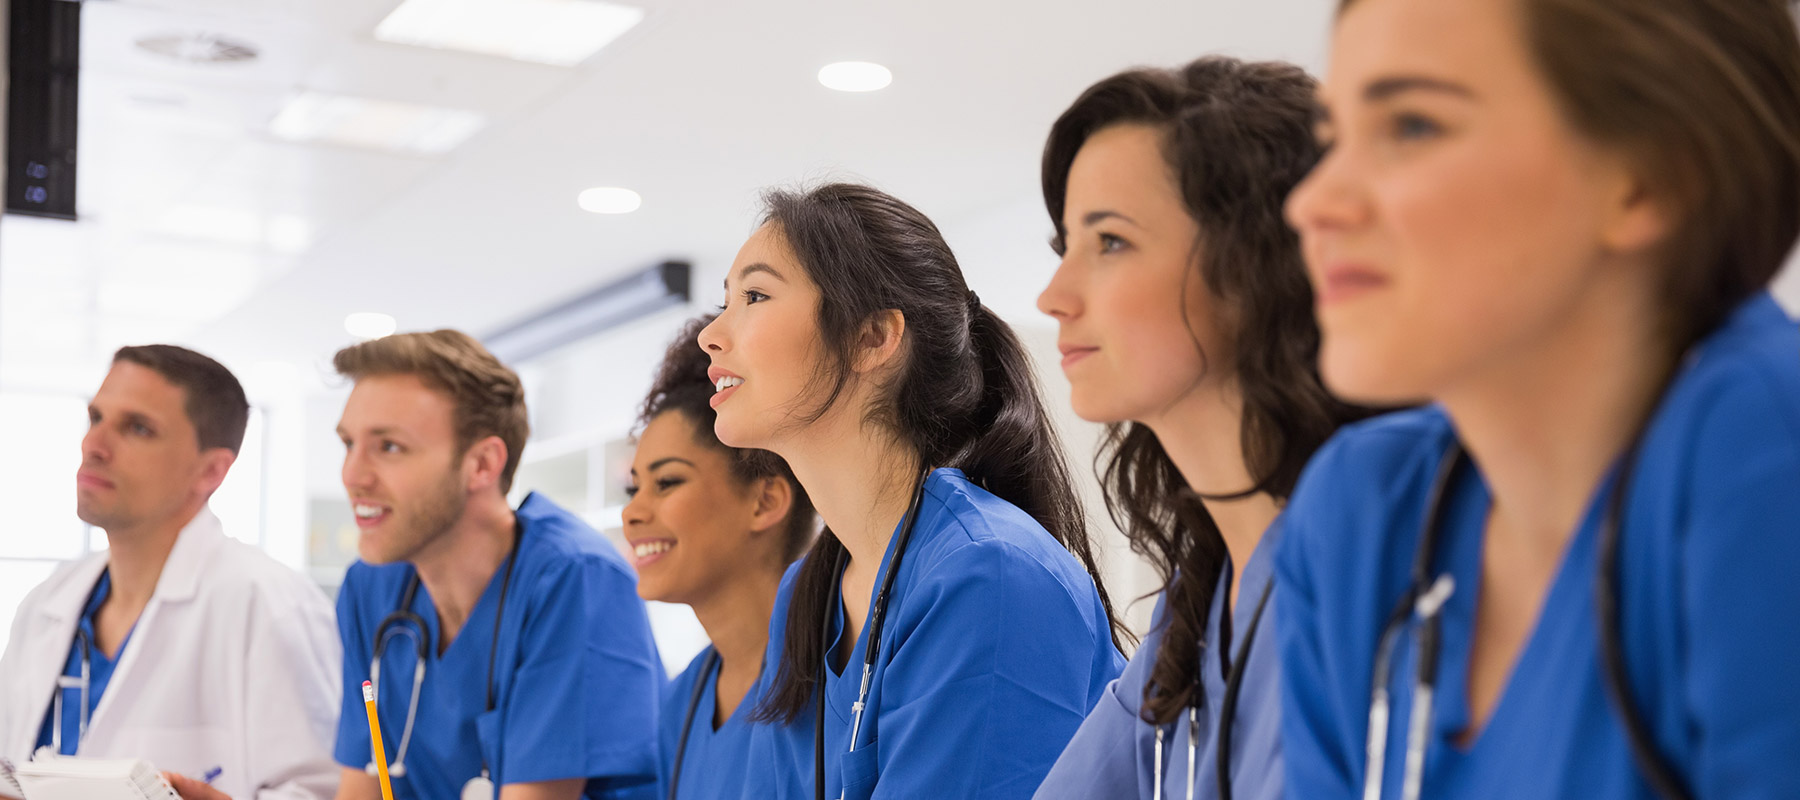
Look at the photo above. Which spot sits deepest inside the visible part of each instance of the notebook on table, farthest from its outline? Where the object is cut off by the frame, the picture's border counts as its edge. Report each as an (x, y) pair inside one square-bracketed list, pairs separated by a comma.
[(92, 779), (9, 785)]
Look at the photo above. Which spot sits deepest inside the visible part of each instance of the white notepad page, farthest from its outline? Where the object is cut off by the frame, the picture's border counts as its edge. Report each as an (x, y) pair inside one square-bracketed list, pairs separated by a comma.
[(93, 779)]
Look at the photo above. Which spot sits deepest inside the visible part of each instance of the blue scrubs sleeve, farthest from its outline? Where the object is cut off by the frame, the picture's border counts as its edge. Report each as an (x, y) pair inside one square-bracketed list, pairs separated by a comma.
[(584, 700), (1320, 764), (352, 747), (998, 670), (1740, 555), (1107, 758), (1102, 759)]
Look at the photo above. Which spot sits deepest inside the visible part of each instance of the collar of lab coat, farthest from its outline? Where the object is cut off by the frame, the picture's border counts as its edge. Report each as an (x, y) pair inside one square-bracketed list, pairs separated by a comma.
[(179, 581), (195, 546)]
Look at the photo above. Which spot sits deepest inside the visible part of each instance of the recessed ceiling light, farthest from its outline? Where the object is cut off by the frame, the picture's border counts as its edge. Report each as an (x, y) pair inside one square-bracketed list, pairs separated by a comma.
[(609, 200), (369, 325), (855, 76), (379, 124), (561, 33)]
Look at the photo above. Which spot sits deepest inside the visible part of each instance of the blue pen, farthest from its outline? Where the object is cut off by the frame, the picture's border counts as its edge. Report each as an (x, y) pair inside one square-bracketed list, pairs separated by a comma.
[(212, 775)]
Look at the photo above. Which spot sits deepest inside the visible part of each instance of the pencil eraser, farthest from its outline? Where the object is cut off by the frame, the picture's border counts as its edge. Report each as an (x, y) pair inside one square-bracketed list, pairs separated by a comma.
[(368, 692)]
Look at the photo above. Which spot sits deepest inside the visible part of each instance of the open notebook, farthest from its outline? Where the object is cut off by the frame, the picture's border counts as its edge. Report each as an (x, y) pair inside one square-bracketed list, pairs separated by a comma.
[(91, 779)]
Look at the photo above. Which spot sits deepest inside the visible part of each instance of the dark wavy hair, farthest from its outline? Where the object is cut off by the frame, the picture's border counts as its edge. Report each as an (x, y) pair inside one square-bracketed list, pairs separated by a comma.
[(681, 387), (965, 395), (1237, 136)]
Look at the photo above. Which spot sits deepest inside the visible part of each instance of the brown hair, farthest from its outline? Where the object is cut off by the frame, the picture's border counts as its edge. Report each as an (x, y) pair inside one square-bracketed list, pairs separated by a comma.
[(489, 399), (681, 386), (213, 398), (1237, 136), (1706, 96)]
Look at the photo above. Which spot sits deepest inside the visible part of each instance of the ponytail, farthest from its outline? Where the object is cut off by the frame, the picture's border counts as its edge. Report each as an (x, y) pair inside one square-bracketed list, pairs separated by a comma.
[(965, 396)]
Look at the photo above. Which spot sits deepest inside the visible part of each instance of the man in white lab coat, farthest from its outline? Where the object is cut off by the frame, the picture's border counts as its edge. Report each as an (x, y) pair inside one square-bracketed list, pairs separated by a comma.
[(178, 644)]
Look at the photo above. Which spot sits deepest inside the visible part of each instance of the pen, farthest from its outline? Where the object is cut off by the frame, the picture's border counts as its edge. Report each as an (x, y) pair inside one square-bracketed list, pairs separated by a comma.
[(387, 790)]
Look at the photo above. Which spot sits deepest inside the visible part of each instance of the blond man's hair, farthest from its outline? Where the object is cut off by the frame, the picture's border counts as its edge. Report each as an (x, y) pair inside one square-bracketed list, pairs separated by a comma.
[(489, 400)]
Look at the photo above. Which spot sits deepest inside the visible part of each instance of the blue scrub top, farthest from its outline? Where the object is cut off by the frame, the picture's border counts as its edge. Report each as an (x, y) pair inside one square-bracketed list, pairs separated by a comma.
[(577, 676), (1709, 551), (715, 762), (1113, 755), (996, 647), (100, 670)]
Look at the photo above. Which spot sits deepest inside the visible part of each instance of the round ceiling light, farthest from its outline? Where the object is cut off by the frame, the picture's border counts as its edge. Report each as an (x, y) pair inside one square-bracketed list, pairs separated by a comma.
[(855, 76), (369, 325), (609, 200)]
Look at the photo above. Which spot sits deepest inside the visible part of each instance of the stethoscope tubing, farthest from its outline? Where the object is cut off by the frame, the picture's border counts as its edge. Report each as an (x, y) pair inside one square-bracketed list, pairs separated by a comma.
[(1412, 605), (871, 654), (1425, 605), (394, 624), (83, 684), (1234, 682), (1233, 687), (687, 723)]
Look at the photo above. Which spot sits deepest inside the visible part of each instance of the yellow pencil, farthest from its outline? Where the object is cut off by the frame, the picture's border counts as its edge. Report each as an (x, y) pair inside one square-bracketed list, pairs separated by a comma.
[(387, 790)]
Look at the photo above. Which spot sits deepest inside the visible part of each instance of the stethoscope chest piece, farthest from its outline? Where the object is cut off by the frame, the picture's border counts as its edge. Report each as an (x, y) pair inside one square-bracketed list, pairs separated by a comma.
[(395, 770), (405, 622), (478, 788)]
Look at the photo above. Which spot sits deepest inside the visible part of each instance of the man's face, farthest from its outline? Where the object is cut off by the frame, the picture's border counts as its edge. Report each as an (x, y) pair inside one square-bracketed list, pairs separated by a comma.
[(141, 461), (402, 469)]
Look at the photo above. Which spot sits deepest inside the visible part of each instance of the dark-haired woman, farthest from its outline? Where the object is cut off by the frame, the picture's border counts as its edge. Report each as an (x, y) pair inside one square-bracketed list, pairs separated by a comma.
[(713, 527), (1186, 325), (1573, 575), (949, 617)]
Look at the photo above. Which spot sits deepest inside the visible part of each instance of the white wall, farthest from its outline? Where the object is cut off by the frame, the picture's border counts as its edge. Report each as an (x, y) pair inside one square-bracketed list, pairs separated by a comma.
[(1787, 284)]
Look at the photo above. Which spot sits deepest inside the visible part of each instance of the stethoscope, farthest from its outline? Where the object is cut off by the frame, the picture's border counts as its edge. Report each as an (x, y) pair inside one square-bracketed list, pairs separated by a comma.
[(877, 616), (64, 683), (1234, 681), (397, 623), (81, 683), (687, 724), (1422, 604)]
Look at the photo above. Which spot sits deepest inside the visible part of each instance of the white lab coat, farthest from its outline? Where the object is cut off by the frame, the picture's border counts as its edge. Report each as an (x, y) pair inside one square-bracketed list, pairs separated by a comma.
[(233, 664)]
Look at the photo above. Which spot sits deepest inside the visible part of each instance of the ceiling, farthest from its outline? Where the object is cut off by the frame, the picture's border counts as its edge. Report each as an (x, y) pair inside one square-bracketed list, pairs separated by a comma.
[(199, 226)]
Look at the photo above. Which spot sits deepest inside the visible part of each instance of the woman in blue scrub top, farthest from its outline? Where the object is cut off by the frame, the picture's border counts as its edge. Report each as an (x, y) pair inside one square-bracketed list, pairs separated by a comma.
[(1186, 326), (851, 346), (1556, 220), (713, 527)]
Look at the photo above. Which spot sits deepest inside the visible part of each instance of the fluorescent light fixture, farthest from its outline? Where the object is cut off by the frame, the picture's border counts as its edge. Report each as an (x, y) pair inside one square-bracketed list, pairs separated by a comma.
[(626, 299), (561, 33), (609, 200), (855, 76), (369, 325), (380, 124)]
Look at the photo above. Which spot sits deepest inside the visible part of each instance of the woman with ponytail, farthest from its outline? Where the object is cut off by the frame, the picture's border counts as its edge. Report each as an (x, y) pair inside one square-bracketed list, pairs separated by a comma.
[(1186, 326), (850, 345)]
